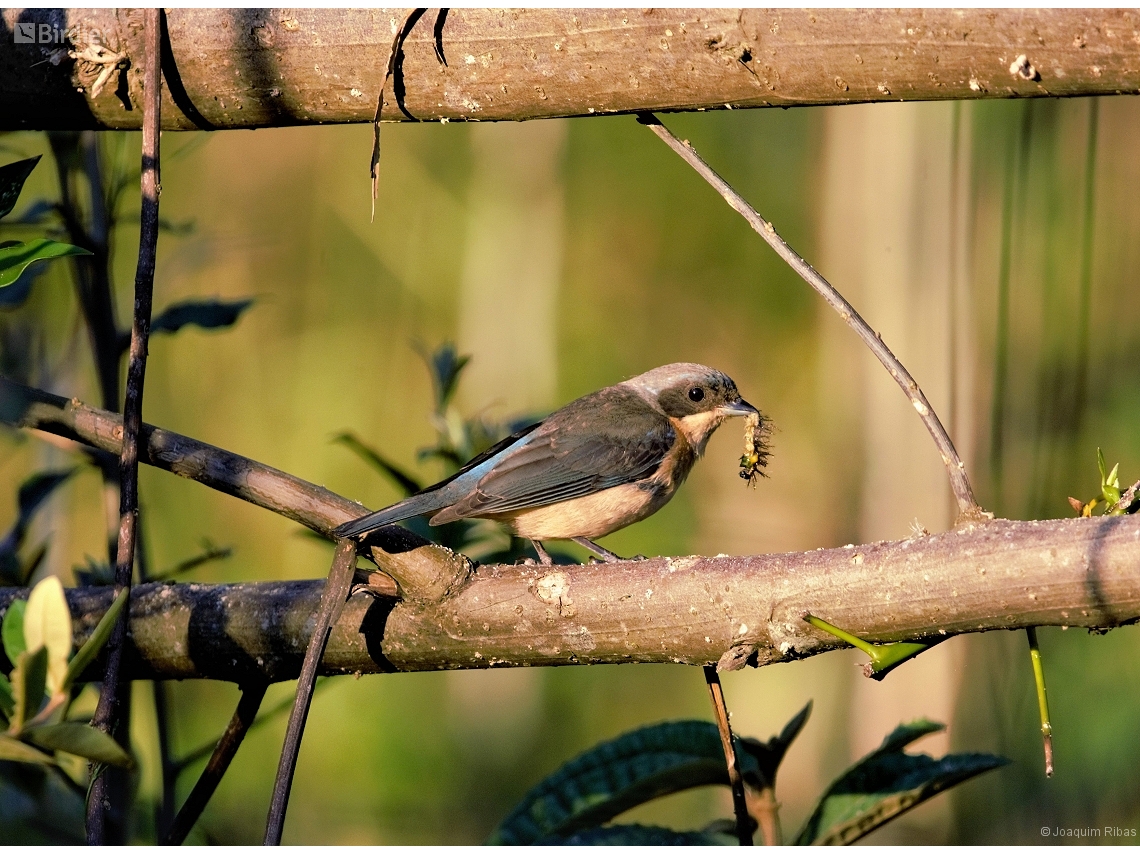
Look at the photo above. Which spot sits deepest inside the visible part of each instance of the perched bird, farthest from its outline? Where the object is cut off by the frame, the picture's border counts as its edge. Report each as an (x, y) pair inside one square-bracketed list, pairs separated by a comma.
[(600, 463)]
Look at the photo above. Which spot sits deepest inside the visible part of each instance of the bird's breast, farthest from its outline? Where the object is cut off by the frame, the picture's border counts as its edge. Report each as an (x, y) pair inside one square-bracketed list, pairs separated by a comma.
[(606, 511), (587, 516)]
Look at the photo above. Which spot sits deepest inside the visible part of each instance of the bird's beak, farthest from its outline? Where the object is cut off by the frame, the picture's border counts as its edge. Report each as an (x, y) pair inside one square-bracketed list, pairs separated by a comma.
[(739, 407)]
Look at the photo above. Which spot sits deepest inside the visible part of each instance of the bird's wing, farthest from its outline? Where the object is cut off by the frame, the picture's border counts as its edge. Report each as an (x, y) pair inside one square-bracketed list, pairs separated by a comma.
[(428, 500), (603, 440)]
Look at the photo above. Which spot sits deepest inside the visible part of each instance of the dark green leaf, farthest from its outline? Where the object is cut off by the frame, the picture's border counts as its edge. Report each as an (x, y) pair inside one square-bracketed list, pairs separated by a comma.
[(7, 699), (404, 481), (29, 678), (207, 314), (18, 292), (209, 553), (21, 752), (33, 492), (445, 364), (33, 563), (94, 574), (885, 784), (12, 178), (615, 776), (14, 259), (36, 489), (639, 835), (82, 740), (13, 630), (35, 213), (769, 755), (94, 644), (905, 734)]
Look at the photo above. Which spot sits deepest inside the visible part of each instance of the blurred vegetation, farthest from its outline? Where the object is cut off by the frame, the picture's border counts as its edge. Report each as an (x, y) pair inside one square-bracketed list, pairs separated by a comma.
[(652, 268)]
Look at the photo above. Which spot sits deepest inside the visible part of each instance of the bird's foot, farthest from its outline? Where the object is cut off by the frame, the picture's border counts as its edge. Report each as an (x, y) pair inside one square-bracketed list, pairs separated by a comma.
[(543, 555), (600, 551)]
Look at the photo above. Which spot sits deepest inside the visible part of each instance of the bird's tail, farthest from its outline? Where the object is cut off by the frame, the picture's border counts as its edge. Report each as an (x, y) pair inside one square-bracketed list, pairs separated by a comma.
[(413, 506)]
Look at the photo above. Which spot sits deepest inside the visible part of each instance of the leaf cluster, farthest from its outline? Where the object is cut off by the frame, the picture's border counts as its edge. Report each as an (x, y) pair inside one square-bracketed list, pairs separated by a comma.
[(573, 805), (17, 256), (36, 696), (1116, 502)]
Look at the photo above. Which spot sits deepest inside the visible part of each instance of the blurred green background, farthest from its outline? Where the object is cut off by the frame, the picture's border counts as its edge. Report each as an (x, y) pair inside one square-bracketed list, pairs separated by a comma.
[(564, 256)]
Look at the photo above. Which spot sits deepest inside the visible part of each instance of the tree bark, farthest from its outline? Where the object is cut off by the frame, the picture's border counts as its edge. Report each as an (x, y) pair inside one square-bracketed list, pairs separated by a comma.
[(693, 610), (249, 68)]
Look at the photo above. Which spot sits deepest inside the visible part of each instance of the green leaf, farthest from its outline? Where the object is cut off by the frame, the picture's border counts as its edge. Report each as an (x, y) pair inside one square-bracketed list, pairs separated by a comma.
[(36, 489), (15, 258), (82, 740), (13, 630), (18, 292), (47, 624), (12, 178), (94, 644), (639, 835), (207, 314), (405, 482), (885, 784), (21, 752), (32, 494), (7, 700), (615, 776), (445, 365), (28, 680), (768, 755)]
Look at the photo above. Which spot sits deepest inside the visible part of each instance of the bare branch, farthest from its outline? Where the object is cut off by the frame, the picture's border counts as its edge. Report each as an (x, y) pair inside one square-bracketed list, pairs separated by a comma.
[(247, 68), (745, 826), (333, 598), (422, 570), (736, 610), (110, 717), (968, 509), (224, 752)]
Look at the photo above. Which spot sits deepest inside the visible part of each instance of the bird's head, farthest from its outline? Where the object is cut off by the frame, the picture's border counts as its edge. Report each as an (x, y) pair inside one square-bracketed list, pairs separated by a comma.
[(696, 398)]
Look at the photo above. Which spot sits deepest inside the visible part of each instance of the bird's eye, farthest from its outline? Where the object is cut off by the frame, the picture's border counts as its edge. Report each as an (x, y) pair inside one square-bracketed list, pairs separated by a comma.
[(696, 394)]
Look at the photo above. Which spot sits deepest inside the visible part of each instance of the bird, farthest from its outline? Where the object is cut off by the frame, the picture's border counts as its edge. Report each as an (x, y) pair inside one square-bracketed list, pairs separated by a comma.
[(598, 464)]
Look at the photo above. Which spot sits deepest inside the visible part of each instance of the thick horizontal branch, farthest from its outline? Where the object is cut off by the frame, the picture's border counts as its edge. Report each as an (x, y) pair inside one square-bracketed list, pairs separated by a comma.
[(994, 575), (249, 68)]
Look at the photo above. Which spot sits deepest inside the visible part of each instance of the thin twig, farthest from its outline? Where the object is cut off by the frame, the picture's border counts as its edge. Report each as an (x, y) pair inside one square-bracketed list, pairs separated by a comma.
[(109, 713), (968, 508), (744, 822), (1042, 698), (243, 717), (164, 810), (398, 37), (207, 748), (333, 598)]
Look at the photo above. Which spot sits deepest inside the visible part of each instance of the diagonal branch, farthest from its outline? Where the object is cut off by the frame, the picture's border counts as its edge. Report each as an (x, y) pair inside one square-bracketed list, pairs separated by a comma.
[(968, 508), (243, 717), (333, 598), (421, 569)]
